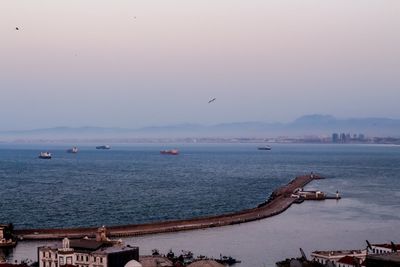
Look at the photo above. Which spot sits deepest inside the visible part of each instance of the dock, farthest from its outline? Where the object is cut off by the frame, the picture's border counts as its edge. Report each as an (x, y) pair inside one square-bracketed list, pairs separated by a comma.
[(279, 201)]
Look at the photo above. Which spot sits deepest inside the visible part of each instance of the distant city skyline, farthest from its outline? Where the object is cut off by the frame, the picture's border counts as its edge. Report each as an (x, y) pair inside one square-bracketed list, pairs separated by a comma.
[(133, 64)]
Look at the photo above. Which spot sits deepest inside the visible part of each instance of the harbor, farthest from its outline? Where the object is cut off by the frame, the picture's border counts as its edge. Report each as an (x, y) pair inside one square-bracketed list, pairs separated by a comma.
[(279, 201)]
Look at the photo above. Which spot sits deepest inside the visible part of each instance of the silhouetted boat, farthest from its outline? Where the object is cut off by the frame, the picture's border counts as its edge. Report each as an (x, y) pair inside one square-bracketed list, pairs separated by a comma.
[(264, 147), (227, 260), (103, 147)]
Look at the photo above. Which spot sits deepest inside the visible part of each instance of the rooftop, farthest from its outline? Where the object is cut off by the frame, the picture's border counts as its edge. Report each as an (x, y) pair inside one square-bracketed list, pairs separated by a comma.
[(86, 244), (114, 249), (348, 260), (331, 253)]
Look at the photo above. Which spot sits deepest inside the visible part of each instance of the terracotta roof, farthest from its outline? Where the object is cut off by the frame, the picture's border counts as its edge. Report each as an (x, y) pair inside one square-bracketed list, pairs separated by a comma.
[(348, 260), (86, 244)]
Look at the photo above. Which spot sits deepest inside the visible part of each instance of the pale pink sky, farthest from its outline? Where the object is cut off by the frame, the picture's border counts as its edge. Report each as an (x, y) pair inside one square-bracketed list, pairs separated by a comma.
[(139, 63)]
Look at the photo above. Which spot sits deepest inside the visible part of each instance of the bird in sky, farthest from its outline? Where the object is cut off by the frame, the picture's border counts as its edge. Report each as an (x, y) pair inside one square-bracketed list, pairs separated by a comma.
[(212, 100), (16, 28)]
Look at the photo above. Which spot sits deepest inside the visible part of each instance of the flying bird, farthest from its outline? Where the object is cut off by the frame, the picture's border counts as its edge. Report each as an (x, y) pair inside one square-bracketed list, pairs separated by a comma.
[(16, 28), (212, 100)]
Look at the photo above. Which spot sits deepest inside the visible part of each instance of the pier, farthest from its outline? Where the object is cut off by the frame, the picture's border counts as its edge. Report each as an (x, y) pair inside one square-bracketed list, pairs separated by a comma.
[(280, 200)]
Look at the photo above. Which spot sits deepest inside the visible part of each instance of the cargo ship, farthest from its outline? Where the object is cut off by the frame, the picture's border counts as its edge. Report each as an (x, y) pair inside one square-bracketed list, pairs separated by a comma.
[(264, 148), (103, 147), (73, 150), (170, 152)]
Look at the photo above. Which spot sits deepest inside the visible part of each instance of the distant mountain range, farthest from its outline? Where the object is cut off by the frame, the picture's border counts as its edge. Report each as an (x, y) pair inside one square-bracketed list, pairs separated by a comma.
[(309, 125)]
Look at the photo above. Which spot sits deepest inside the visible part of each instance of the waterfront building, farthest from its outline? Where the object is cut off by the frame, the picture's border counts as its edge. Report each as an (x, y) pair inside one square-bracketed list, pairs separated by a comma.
[(6, 238), (334, 256), (343, 137), (99, 252), (383, 248), (335, 138)]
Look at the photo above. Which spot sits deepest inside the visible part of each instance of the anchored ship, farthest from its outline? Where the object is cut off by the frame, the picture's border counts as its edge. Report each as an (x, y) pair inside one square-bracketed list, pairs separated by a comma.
[(170, 152), (45, 155), (103, 147), (73, 150), (264, 147)]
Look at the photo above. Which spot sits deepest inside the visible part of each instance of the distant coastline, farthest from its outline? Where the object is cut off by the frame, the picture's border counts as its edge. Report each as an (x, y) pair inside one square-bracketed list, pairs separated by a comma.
[(309, 128), (206, 140)]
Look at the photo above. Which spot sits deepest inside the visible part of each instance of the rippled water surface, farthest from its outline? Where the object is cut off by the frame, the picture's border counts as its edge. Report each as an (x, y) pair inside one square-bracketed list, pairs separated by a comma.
[(134, 184)]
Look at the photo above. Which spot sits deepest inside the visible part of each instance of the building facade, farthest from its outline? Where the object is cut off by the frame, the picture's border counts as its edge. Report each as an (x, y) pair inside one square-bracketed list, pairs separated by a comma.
[(87, 253), (333, 257)]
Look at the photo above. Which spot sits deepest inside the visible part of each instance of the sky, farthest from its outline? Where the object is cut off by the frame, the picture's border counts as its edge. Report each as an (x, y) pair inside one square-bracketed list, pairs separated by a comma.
[(131, 64)]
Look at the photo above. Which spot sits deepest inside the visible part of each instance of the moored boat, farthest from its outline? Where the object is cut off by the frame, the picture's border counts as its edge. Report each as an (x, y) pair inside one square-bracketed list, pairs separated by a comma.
[(45, 155), (227, 260), (266, 147), (73, 150), (170, 152)]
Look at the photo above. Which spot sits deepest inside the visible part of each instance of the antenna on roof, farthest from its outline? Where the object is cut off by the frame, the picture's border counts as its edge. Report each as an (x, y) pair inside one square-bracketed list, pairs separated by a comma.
[(368, 245), (303, 255), (394, 247)]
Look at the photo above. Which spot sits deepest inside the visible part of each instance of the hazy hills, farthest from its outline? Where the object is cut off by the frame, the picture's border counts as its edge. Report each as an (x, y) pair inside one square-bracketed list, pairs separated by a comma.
[(309, 125)]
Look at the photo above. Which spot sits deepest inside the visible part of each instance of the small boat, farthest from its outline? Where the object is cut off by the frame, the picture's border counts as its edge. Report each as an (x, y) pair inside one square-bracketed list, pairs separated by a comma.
[(73, 150), (45, 155), (264, 147), (170, 152), (227, 260), (103, 147)]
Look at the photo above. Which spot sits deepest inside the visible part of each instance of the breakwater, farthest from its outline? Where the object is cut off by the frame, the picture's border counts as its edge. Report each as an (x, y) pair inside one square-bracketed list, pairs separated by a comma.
[(279, 201)]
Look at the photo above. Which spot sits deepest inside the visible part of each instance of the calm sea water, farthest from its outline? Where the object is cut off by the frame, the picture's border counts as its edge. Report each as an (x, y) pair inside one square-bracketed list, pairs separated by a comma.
[(134, 184)]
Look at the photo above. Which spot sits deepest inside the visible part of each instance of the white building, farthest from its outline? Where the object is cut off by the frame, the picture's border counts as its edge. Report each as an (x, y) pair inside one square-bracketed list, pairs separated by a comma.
[(334, 256), (383, 248), (87, 253)]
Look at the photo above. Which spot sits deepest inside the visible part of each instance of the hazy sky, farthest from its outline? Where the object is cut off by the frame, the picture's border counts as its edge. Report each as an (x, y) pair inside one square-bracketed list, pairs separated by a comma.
[(139, 63)]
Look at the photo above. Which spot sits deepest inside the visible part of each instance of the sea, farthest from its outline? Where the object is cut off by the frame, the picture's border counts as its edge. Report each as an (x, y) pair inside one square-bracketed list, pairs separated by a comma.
[(134, 183)]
